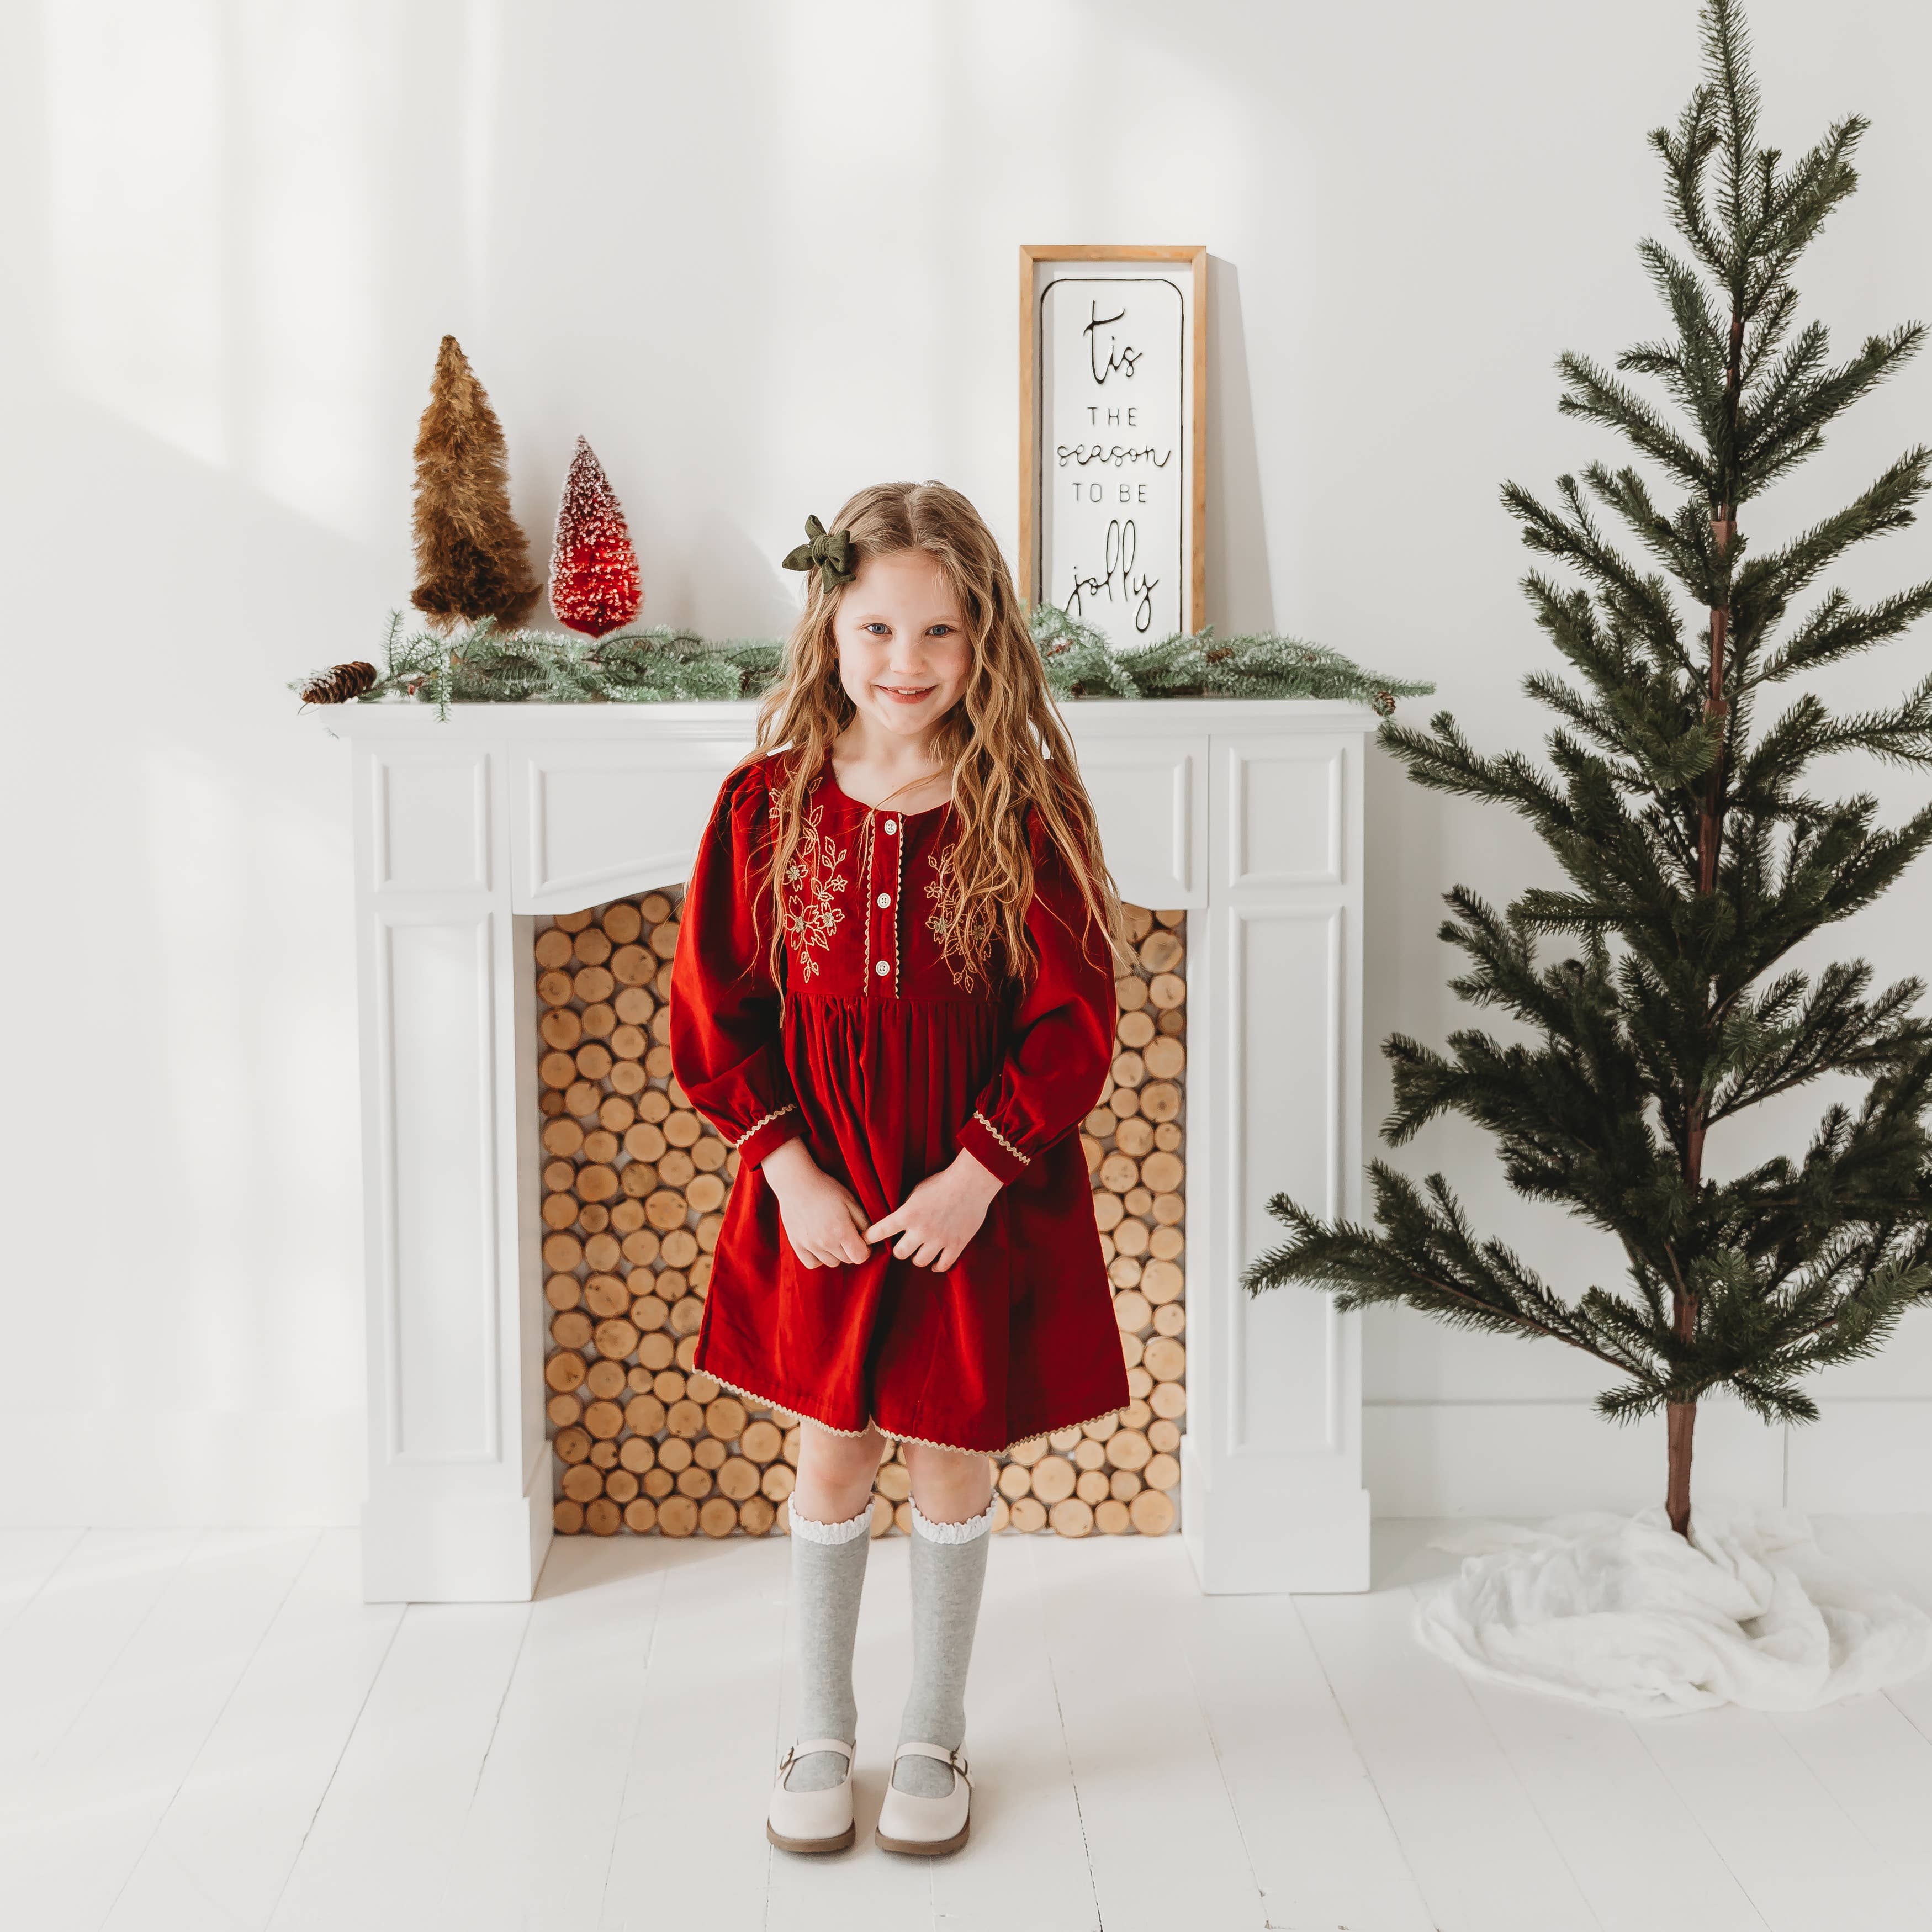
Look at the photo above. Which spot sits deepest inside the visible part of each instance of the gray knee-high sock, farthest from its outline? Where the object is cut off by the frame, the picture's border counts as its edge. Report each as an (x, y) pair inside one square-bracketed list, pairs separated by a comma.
[(949, 1572), (828, 1569)]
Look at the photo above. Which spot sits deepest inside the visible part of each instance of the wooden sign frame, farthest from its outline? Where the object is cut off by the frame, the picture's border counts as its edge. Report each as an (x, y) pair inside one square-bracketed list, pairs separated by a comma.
[(1032, 481)]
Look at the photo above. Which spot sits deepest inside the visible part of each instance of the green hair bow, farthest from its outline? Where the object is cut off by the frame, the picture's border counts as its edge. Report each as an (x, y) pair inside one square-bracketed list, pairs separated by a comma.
[(830, 549)]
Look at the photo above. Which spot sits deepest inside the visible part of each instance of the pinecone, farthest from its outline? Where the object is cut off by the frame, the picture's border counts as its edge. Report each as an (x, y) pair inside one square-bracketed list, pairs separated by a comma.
[(339, 683), (1218, 653)]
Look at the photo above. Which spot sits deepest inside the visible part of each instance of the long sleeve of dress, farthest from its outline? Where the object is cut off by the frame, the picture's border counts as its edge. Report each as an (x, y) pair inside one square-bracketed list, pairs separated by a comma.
[(725, 1040), (1062, 1038)]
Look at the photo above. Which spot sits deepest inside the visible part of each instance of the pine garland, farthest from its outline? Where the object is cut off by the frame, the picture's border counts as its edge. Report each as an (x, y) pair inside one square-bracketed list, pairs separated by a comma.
[(489, 664), (1081, 663)]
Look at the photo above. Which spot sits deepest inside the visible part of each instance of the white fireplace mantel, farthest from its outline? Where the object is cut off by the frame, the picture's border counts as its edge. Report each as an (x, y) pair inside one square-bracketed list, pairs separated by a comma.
[(1246, 812)]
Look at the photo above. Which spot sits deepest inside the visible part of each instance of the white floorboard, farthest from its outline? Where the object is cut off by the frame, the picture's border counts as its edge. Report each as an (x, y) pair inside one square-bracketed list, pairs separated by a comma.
[(27, 1559), (1163, 1838), (99, 1793), (230, 1838), (544, 1815), (64, 1638), (689, 1849), (381, 1852), (1318, 1838), (212, 1732)]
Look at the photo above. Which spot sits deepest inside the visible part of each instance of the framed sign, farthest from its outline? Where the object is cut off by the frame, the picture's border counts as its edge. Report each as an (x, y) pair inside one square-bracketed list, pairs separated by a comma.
[(1114, 436)]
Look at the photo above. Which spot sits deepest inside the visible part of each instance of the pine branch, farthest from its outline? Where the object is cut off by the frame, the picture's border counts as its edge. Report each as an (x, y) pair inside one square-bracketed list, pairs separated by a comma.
[(1791, 425), (1081, 662), (1840, 628), (1727, 53), (1887, 504), (1793, 1032), (1596, 396), (1427, 1258)]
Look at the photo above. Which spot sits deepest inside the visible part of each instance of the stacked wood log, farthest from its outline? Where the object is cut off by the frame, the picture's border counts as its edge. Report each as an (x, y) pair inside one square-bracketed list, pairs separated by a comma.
[(635, 1183)]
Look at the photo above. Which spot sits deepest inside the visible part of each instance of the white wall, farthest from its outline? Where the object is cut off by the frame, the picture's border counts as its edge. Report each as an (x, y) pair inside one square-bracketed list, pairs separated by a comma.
[(761, 254)]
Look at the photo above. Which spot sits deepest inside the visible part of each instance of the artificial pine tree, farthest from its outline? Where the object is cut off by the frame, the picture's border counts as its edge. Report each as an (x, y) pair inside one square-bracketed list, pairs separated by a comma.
[(593, 567), (1696, 858), (471, 558)]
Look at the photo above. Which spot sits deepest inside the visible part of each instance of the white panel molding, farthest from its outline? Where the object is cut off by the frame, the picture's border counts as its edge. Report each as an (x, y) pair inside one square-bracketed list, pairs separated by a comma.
[(442, 1380), (1292, 808), (468, 829), (1267, 1117), (599, 824), (432, 828), (1150, 794)]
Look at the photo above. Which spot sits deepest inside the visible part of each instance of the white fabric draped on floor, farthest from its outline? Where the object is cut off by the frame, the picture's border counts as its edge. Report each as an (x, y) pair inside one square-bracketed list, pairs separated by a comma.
[(1622, 1613)]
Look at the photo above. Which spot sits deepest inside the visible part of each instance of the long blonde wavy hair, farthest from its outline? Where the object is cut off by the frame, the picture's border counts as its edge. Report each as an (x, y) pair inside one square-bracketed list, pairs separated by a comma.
[(1003, 740)]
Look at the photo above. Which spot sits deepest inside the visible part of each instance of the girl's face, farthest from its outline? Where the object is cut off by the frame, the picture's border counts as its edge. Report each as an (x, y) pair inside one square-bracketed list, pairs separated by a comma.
[(904, 653)]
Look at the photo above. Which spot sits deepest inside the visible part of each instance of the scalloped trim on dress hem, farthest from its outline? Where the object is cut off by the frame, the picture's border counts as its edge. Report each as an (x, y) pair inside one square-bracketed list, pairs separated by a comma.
[(773, 1401), (1034, 1435), (899, 1436)]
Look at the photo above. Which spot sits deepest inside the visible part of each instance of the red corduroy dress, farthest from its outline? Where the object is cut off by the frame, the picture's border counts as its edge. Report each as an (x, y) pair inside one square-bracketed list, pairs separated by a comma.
[(888, 1060)]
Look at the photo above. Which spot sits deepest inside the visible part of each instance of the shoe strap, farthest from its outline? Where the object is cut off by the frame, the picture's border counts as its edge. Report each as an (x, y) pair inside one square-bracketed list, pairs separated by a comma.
[(956, 1759), (806, 1746)]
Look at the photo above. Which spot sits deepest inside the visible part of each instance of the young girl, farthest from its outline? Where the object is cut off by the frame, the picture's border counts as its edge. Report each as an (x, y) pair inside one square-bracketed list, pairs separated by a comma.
[(893, 994)]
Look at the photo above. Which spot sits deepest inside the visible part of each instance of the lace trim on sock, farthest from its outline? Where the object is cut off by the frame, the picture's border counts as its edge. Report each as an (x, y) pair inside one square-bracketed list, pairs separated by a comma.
[(831, 1532), (971, 1530)]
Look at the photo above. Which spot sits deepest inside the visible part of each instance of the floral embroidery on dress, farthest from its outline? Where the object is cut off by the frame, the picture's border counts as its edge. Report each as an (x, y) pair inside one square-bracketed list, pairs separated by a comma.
[(810, 915), (944, 888)]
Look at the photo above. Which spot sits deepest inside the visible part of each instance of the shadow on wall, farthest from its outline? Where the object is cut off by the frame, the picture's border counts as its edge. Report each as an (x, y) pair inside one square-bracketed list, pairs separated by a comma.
[(1240, 589)]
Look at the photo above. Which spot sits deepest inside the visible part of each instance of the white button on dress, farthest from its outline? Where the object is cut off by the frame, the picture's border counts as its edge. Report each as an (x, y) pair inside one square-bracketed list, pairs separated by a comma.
[(885, 898), (883, 966), (892, 825)]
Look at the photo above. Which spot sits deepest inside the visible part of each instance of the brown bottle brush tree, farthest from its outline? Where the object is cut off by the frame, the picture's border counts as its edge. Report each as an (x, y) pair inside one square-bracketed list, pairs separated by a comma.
[(472, 560)]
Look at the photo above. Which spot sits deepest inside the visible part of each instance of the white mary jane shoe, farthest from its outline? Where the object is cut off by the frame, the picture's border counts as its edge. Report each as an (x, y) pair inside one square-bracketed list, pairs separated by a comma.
[(812, 1821), (925, 1826)]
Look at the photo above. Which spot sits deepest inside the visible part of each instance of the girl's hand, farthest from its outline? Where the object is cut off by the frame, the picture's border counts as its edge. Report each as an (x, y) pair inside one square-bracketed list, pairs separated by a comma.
[(822, 1216), (936, 1220)]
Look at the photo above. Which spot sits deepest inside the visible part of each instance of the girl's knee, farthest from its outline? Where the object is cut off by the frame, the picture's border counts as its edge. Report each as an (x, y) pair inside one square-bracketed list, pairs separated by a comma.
[(837, 1459), (948, 1485)]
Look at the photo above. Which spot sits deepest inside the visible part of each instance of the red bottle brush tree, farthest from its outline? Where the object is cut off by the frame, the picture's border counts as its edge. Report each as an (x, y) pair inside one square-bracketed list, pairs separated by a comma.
[(472, 560), (593, 568)]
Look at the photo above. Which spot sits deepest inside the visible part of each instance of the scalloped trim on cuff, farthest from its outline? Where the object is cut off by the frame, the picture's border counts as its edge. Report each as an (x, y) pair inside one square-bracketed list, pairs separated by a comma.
[(991, 1150), (778, 1127), (971, 1530)]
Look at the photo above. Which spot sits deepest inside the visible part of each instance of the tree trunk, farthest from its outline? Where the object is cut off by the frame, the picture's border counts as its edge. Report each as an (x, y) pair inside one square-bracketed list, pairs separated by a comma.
[(1681, 1420)]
